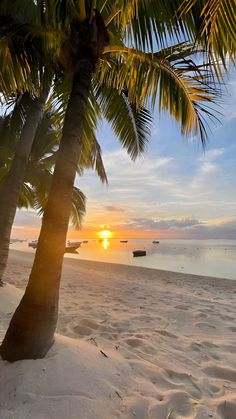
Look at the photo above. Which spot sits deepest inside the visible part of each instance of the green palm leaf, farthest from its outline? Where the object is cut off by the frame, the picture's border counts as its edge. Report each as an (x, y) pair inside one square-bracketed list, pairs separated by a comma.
[(215, 21), (131, 124), (181, 86)]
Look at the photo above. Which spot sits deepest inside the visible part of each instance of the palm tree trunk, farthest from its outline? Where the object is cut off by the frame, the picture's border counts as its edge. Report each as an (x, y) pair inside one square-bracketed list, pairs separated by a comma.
[(9, 193), (30, 334)]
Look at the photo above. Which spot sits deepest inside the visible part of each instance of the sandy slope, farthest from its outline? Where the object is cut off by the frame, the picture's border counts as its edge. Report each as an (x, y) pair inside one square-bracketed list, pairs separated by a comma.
[(171, 337)]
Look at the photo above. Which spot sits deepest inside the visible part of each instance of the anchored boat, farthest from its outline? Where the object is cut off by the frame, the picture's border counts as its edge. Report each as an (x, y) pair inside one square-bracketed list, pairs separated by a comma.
[(137, 253), (71, 247)]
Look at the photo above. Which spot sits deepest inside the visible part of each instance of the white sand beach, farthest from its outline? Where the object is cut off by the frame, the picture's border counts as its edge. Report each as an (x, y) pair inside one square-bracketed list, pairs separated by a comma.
[(170, 341)]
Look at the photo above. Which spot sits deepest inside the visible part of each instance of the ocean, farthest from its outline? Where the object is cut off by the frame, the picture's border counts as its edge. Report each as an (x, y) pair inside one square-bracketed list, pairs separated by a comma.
[(215, 258)]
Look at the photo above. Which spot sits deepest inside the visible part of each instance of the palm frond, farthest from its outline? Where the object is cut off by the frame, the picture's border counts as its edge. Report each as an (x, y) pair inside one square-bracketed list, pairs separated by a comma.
[(181, 85), (215, 21), (130, 123), (26, 197), (78, 208)]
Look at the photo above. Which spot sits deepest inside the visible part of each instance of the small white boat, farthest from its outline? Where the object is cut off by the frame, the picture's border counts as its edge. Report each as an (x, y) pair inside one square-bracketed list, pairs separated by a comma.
[(70, 246), (137, 253), (33, 244)]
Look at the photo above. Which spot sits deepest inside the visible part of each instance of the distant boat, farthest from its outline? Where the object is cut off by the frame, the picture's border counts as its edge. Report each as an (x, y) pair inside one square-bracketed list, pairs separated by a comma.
[(85, 241), (33, 244), (123, 241), (156, 241), (137, 253), (71, 244), (71, 247)]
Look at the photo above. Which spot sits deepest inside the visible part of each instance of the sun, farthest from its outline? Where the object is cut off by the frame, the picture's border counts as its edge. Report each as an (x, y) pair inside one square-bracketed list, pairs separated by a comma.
[(105, 234)]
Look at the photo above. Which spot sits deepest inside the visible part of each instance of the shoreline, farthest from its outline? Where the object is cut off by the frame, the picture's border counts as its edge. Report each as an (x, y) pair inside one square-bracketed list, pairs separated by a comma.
[(174, 334), (69, 260)]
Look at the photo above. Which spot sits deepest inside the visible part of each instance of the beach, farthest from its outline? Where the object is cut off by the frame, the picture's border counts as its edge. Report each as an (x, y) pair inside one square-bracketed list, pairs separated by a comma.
[(160, 343)]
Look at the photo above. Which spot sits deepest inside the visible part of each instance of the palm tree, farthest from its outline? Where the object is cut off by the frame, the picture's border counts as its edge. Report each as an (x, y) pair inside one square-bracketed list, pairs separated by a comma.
[(98, 52), (9, 193), (90, 154), (24, 74)]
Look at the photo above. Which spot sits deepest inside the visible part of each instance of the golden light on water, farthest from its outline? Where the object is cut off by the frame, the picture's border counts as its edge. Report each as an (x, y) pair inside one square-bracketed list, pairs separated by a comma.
[(105, 235), (105, 244)]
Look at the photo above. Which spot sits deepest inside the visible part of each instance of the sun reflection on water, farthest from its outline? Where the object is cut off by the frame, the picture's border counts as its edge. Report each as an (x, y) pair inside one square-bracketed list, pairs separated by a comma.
[(105, 244)]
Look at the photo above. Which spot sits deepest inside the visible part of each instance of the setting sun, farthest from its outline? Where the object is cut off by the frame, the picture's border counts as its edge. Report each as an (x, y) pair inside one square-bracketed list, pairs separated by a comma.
[(105, 234)]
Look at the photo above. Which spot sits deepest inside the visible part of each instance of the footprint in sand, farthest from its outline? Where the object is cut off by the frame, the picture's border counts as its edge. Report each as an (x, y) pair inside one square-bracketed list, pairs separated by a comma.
[(182, 307), (227, 409), (85, 327), (180, 378), (209, 345), (82, 330), (141, 344), (89, 323), (232, 329), (227, 374), (205, 326), (165, 333), (230, 318), (201, 315)]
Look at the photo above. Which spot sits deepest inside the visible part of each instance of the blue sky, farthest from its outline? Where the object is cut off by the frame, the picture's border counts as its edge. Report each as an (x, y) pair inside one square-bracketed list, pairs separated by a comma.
[(174, 190)]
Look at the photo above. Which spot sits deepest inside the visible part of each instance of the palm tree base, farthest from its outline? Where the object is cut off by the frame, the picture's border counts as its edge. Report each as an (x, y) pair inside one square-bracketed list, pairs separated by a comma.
[(31, 332)]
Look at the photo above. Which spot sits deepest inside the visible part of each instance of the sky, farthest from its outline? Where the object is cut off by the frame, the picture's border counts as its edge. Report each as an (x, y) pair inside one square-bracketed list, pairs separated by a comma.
[(175, 190)]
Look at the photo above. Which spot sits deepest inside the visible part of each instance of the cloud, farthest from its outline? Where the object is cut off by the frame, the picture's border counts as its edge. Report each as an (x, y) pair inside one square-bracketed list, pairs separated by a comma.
[(182, 227), (25, 218), (149, 225), (224, 229), (113, 208)]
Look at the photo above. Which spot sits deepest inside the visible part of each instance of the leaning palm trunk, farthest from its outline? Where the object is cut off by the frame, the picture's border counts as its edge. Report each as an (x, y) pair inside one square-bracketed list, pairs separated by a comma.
[(32, 327), (9, 194)]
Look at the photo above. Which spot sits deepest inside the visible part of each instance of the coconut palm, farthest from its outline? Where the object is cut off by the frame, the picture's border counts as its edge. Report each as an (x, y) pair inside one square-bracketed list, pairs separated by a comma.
[(90, 154), (27, 73), (105, 51), (9, 193)]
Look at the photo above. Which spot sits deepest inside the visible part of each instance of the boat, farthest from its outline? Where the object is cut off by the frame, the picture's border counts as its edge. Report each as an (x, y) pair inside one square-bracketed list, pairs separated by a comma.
[(137, 253), (71, 244), (71, 247), (156, 241), (85, 241), (33, 244), (123, 241)]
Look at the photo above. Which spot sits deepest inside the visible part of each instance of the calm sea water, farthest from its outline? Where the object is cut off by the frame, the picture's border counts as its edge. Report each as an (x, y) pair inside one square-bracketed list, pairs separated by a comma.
[(201, 257)]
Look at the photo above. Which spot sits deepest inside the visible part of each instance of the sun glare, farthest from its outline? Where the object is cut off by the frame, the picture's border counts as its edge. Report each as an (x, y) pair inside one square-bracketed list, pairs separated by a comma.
[(105, 234)]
